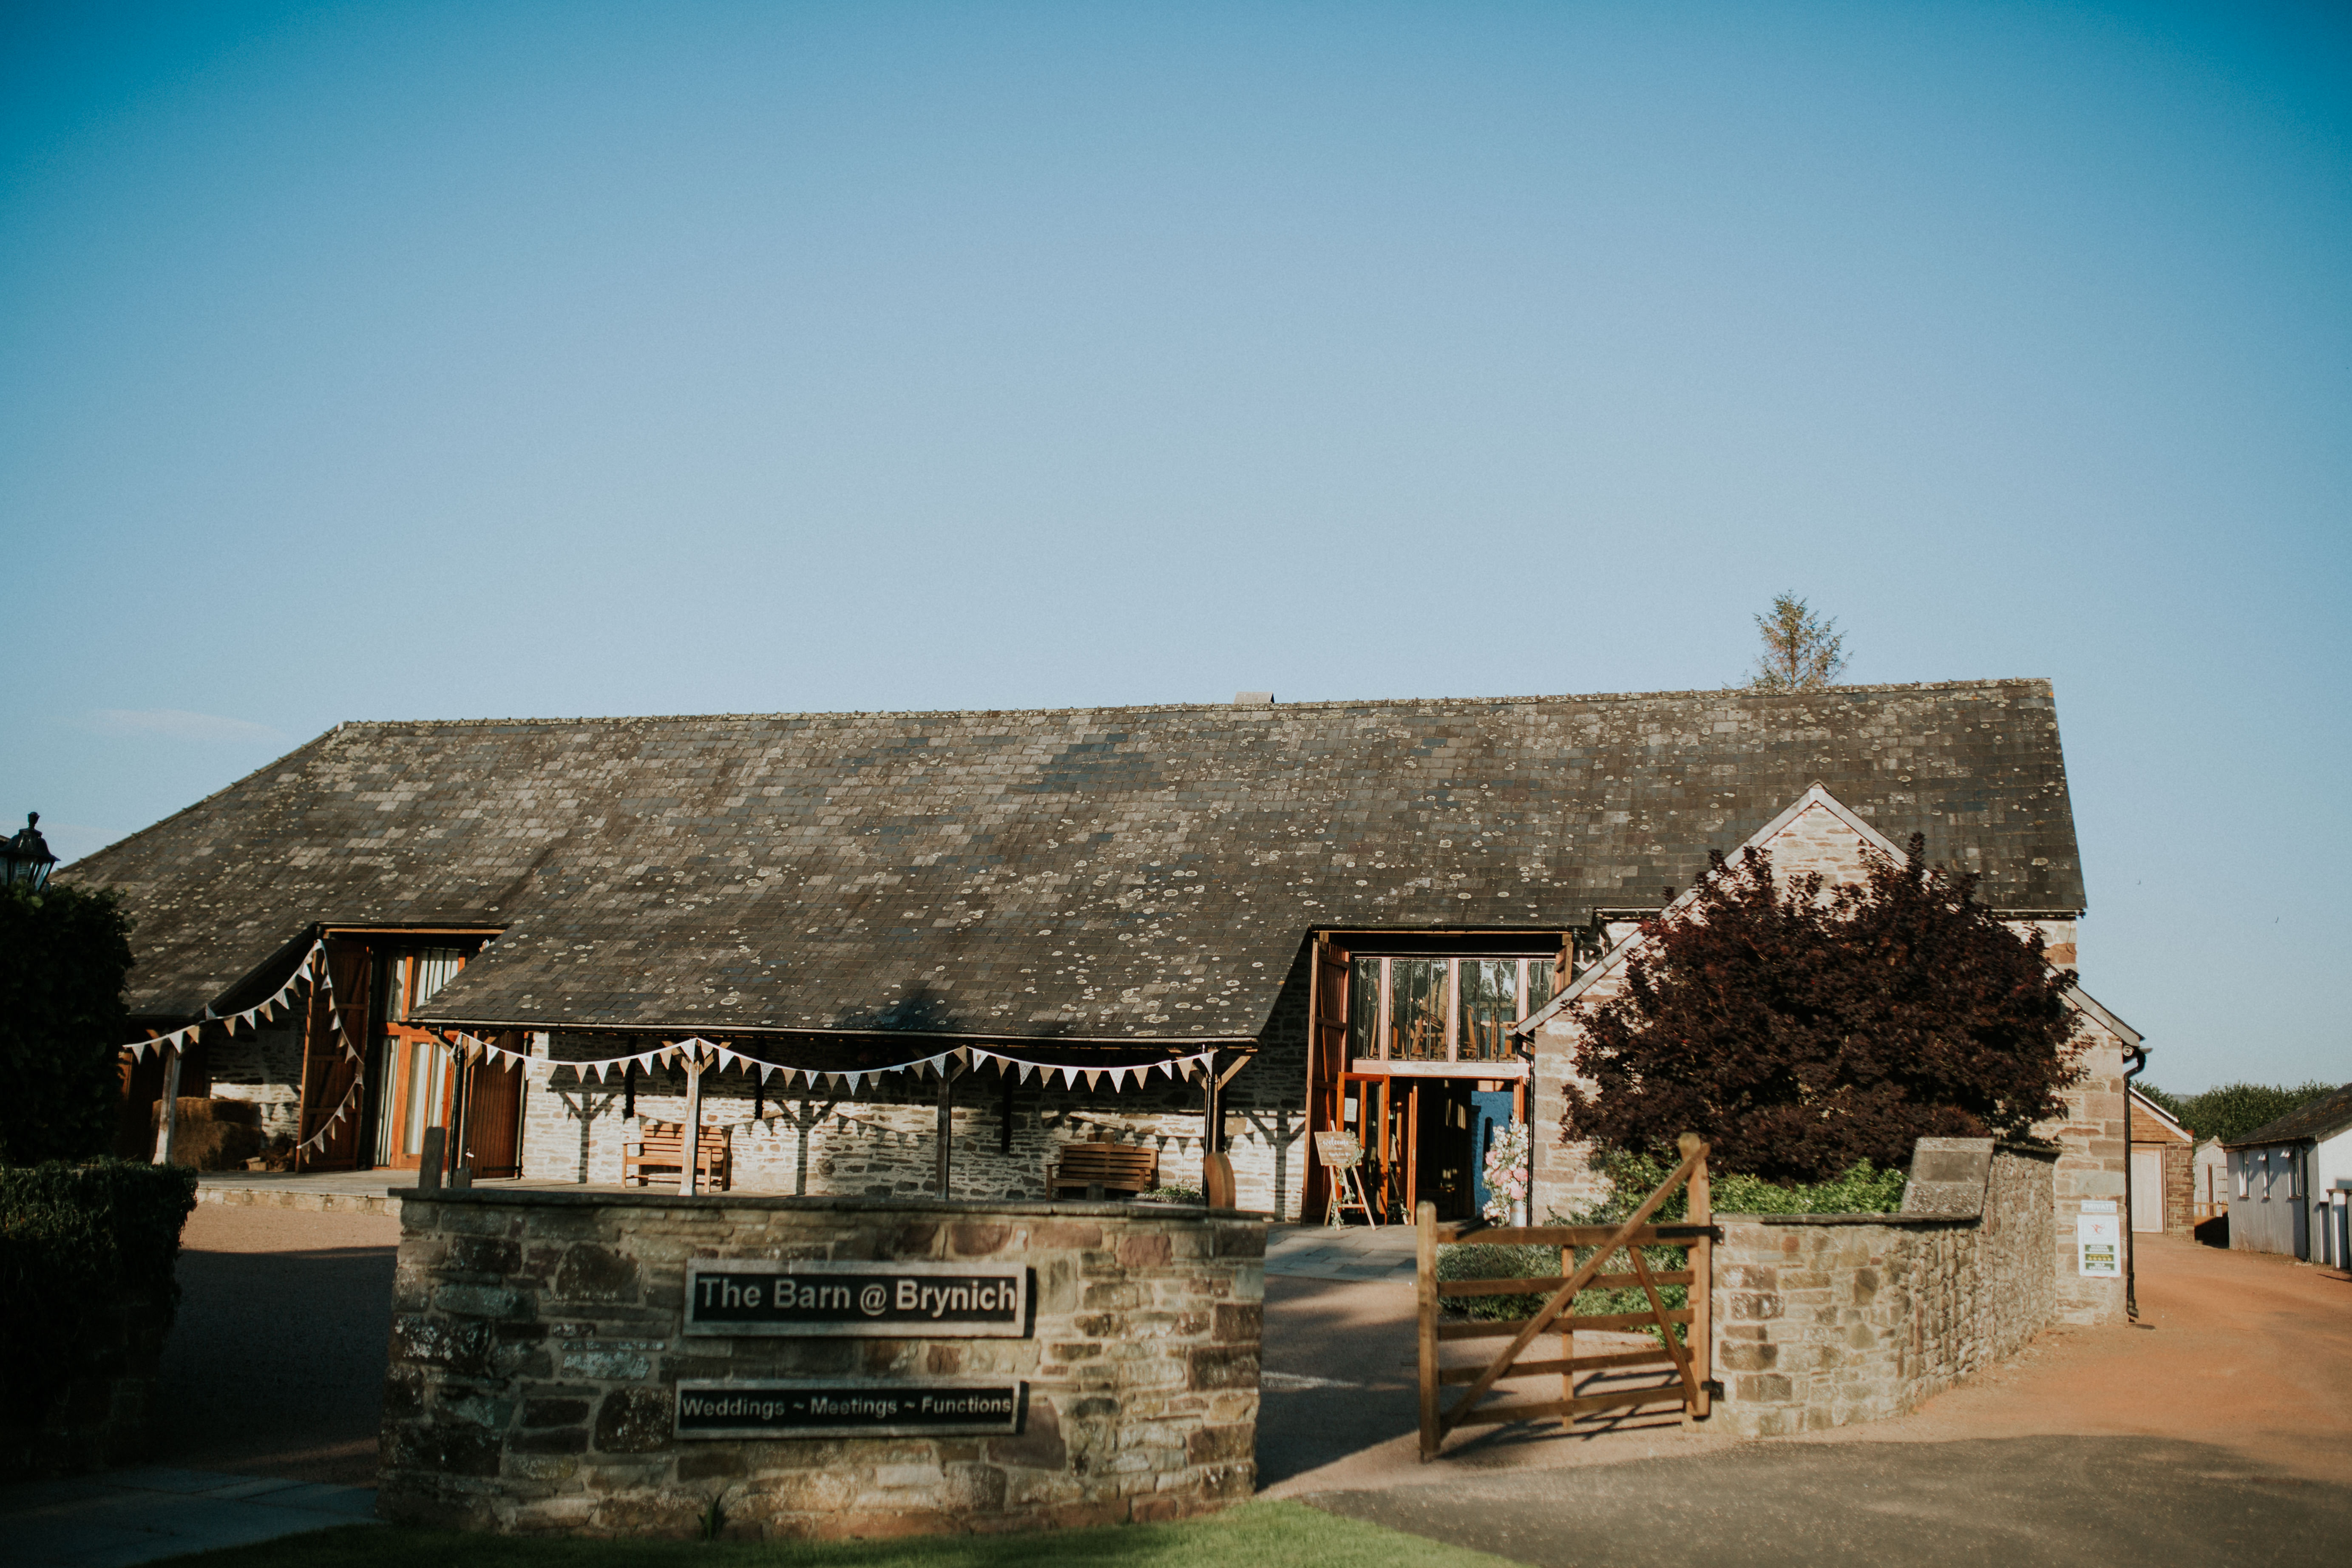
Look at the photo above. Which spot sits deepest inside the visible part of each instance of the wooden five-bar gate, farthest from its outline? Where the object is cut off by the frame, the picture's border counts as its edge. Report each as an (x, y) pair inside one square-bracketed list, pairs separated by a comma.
[(1692, 1386)]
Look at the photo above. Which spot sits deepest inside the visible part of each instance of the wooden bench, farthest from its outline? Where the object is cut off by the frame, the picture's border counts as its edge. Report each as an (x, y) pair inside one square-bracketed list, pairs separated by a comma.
[(1125, 1168), (660, 1146)]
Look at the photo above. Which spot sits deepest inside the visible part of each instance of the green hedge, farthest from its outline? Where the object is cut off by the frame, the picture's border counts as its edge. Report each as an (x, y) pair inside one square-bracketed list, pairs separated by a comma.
[(1862, 1189), (63, 955), (74, 1241)]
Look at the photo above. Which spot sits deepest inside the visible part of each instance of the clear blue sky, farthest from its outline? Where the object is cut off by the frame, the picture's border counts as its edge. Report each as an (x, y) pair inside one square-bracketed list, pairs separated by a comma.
[(373, 361)]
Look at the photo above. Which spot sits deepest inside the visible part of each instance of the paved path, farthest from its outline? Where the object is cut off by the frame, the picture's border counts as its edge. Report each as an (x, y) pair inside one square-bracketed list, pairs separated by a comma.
[(275, 1366), (135, 1516), (2218, 1431), (1341, 1252)]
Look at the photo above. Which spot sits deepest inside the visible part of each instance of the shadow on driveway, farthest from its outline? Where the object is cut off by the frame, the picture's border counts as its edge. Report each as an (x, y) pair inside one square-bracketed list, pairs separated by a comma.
[(2020, 1500), (276, 1363)]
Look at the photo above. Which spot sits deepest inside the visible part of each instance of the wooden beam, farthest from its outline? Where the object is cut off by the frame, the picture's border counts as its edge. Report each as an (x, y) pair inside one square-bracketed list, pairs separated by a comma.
[(1424, 1218), (1547, 1285), (1702, 1295), (167, 1130), (946, 1129), (1454, 1375), (1612, 1320), (689, 1158)]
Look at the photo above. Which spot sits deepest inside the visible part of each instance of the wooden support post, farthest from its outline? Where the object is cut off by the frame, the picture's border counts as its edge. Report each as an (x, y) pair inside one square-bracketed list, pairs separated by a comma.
[(1702, 1273), (167, 1129), (689, 1158), (1568, 1344), (946, 1129), (461, 1117), (1212, 1124), (428, 1165), (1426, 1279)]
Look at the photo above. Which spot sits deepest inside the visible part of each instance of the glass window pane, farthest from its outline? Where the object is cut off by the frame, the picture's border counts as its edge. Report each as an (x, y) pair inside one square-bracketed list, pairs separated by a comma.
[(1490, 1005), (436, 967), (1417, 1009), (1364, 1007), (392, 1004), (1540, 979)]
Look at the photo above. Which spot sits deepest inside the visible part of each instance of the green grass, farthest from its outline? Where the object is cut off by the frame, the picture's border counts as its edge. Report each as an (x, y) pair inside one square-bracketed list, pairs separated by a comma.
[(1260, 1534)]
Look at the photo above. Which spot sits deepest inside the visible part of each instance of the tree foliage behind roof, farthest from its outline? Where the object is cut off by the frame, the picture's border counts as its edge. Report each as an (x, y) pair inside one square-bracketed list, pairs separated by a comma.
[(1803, 1029), (64, 953), (2230, 1111), (1802, 652)]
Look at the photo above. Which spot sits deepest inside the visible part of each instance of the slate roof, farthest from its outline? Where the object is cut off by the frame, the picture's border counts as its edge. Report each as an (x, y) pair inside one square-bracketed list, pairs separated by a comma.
[(1088, 874), (2322, 1118)]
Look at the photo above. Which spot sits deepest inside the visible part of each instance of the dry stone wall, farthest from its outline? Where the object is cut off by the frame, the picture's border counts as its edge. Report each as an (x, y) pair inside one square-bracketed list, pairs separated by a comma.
[(537, 1349), (1827, 1320)]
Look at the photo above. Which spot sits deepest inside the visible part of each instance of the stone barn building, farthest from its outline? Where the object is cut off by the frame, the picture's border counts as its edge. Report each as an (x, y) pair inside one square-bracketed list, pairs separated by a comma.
[(1176, 928)]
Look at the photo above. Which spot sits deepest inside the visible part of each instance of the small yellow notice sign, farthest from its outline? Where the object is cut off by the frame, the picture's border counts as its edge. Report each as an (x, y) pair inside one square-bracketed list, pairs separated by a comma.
[(2098, 1241)]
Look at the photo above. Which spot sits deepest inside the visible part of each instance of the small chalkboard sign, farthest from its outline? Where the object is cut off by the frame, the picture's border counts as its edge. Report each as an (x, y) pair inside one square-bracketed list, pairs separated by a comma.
[(1338, 1150), (847, 1407)]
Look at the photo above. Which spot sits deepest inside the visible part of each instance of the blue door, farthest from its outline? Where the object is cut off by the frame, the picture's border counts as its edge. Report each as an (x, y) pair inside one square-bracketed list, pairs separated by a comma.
[(1490, 1110)]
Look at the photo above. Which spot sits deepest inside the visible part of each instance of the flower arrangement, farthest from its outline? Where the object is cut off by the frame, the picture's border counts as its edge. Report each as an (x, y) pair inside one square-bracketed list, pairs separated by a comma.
[(1507, 1174)]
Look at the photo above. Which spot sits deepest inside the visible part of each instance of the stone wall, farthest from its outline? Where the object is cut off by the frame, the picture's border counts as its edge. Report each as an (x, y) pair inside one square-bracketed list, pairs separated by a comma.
[(2091, 1162), (263, 1066), (881, 1142), (2179, 1179), (536, 1349), (1824, 1321)]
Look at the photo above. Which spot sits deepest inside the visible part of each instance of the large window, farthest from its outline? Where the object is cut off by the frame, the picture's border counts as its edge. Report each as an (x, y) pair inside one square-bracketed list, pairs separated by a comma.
[(1417, 1009), (415, 1067)]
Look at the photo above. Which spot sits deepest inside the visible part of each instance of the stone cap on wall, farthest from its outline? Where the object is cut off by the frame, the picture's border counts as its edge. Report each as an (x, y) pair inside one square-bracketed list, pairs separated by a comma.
[(540, 1198), (1947, 1178), (1918, 1221)]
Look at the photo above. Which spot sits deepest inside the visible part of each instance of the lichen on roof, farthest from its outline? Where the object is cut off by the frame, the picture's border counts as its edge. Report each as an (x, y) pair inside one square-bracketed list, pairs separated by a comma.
[(1119, 874)]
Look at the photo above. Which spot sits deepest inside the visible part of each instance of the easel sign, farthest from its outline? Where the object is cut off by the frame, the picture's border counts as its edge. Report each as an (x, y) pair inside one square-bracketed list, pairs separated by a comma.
[(1341, 1155), (1339, 1151)]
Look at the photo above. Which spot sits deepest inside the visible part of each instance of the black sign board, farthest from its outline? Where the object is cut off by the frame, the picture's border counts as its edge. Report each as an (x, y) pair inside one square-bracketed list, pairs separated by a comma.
[(736, 1296), (912, 1408)]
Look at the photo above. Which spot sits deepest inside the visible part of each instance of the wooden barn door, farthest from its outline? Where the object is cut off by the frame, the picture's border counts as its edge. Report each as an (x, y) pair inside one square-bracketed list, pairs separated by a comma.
[(330, 1076), (494, 1117), (1327, 1059)]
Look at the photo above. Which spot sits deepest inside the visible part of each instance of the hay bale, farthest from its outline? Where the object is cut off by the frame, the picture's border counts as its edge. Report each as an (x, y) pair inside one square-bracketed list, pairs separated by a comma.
[(197, 1113), (213, 1134)]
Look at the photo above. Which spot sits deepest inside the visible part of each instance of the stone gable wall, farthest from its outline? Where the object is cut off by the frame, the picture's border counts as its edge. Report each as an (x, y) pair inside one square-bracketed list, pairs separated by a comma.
[(536, 1353), (1828, 1320), (2088, 1135)]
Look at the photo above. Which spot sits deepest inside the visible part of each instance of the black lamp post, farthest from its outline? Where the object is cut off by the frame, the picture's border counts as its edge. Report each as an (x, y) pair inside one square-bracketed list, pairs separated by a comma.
[(24, 860)]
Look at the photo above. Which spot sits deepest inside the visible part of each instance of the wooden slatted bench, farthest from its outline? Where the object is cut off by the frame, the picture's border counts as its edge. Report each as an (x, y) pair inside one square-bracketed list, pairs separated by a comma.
[(659, 1148), (1125, 1168)]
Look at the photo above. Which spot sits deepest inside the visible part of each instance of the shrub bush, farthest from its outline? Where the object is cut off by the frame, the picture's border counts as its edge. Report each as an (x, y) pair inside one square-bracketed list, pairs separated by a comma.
[(1863, 1189), (63, 955), (76, 1241)]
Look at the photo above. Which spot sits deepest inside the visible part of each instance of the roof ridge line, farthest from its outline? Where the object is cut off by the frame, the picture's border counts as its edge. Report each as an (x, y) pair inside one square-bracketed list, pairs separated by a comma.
[(1315, 704)]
